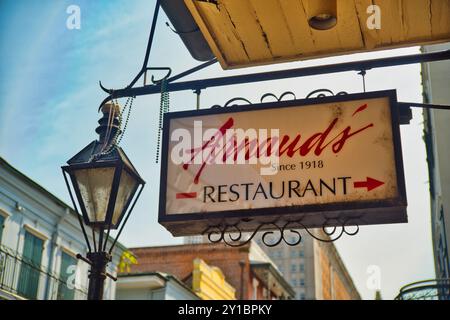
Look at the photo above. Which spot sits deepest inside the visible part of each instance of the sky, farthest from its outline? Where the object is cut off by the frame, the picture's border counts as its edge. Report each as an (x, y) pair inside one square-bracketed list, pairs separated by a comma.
[(49, 96)]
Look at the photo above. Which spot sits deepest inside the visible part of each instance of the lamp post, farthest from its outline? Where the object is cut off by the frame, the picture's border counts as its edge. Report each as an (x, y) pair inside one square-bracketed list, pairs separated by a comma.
[(106, 186)]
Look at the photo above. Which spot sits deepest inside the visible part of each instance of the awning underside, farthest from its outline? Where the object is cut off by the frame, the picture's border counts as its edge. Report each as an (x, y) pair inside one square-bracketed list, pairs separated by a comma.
[(254, 32)]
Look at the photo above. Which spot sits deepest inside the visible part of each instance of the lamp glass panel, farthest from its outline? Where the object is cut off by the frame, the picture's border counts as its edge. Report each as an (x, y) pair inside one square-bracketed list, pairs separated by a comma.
[(126, 190), (95, 188)]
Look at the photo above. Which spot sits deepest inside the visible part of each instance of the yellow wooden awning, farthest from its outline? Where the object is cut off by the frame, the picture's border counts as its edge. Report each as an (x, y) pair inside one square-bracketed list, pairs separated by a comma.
[(244, 33)]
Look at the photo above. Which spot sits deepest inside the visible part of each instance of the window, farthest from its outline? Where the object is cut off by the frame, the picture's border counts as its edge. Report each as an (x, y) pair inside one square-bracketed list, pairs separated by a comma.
[(30, 268), (443, 246), (67, 270), (293, 268), (2, 221), (301, 253), (301, 296), (302, 267), (302, 282)]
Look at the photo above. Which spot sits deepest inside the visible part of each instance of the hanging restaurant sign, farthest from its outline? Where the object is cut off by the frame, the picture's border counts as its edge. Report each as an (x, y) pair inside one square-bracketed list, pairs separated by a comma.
[(318, 159)]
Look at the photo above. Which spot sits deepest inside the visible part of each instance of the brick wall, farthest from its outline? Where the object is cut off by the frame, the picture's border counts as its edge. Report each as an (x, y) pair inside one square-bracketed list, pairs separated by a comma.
[(334, 276), (178, 261), (340, 290), (326, 276)]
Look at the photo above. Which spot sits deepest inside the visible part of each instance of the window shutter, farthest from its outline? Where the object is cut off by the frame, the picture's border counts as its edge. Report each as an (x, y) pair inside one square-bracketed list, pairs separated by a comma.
[(30, 266), (2, 221), (64, 292)]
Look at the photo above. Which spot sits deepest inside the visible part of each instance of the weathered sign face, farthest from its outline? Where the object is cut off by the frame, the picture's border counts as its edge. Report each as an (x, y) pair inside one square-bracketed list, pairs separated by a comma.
[(313, 161)]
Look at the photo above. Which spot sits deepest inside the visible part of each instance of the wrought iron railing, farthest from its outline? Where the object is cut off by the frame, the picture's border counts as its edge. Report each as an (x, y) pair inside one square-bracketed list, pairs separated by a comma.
[(23, 278), (435, 289)]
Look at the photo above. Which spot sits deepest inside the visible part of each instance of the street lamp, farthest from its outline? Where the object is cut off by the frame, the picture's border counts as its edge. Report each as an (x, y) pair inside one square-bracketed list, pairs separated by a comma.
[(106, 186)]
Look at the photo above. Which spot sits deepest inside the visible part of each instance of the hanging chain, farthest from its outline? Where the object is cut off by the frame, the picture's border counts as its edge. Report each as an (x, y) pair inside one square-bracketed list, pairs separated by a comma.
[(115, 141), (128, 104), (163, 108)]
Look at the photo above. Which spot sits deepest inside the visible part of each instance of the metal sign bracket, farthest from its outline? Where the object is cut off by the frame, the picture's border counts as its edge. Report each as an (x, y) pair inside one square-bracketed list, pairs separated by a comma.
[(196, 85)]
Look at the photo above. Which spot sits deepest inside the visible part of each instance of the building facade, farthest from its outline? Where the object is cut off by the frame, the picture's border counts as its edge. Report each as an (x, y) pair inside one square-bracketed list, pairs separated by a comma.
[(205, 283), (247, 269), (39, 238), (314, 269), (209, 282), (152, 286), (436, 84)]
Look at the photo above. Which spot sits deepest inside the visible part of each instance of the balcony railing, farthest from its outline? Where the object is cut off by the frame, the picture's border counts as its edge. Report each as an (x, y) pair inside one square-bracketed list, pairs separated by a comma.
[(436, 289), (21, 277)]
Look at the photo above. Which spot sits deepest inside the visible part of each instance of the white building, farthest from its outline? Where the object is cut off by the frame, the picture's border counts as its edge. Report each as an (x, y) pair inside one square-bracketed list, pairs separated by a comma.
[(39, 238), (436, 84), (153, 286)]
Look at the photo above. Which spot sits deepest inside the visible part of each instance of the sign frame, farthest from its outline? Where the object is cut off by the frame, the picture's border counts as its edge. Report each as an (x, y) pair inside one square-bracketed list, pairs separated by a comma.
[(331, 214)]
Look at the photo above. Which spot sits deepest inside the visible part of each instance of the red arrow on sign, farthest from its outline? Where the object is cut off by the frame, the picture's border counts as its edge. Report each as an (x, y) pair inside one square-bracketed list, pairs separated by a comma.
[(186, 195), (370, 184)]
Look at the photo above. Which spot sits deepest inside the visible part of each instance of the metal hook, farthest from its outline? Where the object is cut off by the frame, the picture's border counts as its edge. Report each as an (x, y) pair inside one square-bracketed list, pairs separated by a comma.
[(109, 91), (197, 93), (181, 32), (169, 72), (363, 75)]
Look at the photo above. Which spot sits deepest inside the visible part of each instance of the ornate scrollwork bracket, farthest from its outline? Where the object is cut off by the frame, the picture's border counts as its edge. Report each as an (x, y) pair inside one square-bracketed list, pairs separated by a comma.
[(273, 233), (239, 101), (321, 93)]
